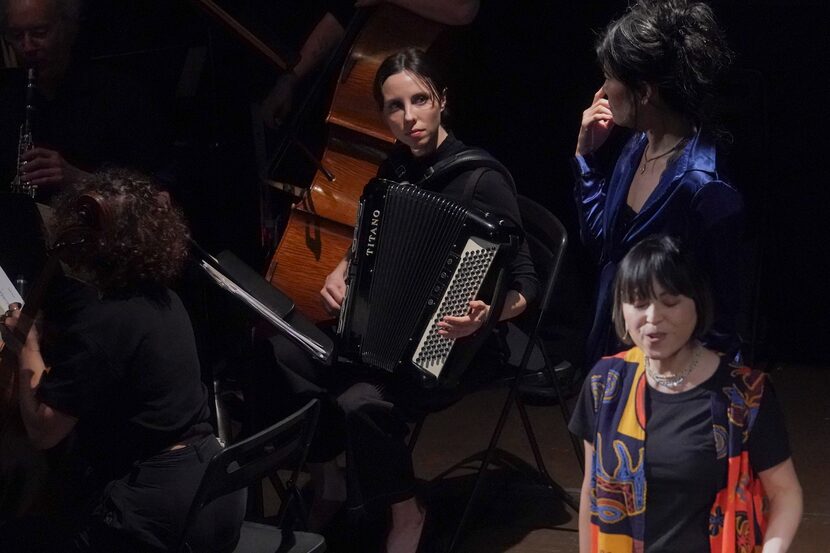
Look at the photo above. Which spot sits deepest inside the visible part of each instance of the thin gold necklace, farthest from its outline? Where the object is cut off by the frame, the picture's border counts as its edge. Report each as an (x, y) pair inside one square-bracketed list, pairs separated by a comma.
[(647, 160), (674, 380)]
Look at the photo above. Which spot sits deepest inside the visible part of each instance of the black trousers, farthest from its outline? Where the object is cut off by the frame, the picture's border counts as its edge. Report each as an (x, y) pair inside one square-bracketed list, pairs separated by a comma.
[(144, 511), (364, 411), (150, 504)]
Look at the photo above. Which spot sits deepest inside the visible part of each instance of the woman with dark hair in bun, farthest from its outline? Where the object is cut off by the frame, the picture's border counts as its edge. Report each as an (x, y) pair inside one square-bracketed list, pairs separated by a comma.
[(661, 62), (685, 452)]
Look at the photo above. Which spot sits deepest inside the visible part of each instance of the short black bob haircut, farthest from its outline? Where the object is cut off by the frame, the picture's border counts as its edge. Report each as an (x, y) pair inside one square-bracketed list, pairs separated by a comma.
[(661, 259)]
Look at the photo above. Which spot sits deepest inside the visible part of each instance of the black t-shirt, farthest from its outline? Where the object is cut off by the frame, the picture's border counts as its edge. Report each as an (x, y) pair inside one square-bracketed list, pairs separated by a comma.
[(493, 194), (286, 24), (128, 370), (682, 471)]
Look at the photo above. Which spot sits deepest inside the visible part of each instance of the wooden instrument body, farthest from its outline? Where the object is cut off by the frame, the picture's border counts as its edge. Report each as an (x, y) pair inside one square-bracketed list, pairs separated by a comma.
[(320, 229)]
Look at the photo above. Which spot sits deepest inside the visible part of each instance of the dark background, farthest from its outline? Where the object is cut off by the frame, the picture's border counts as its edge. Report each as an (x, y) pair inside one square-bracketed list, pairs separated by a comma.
[(524, 71)]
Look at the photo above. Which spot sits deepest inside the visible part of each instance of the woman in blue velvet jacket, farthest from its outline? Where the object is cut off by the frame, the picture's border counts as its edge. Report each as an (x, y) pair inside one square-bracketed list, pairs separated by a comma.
[(660, 62)]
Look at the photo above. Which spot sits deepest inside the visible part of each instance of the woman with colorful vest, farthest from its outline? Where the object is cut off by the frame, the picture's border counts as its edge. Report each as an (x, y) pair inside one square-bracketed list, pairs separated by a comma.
[(685, 452)]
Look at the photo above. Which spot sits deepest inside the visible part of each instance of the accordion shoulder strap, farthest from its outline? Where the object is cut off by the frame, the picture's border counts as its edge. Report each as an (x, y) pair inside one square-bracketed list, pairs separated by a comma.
[(471, 185), (467, 160)]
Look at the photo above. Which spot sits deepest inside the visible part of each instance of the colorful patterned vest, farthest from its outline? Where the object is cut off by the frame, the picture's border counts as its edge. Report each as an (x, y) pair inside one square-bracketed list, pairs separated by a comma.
[(619, 488)]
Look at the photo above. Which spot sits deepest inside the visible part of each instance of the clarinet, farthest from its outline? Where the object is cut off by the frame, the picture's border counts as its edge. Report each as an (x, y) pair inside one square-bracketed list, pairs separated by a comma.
[(25, 143)]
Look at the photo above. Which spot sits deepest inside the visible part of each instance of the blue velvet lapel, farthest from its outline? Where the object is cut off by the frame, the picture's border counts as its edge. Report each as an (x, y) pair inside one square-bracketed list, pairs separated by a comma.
[(698, 155)]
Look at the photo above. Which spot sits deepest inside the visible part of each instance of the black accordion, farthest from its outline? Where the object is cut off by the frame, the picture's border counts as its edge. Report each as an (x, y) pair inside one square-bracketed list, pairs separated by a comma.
[(418, 256)]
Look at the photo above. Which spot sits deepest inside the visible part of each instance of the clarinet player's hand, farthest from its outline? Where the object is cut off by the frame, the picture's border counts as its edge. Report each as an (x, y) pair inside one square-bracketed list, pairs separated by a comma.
[(47, 168), (596, 125), (335, 287), (458, 327)]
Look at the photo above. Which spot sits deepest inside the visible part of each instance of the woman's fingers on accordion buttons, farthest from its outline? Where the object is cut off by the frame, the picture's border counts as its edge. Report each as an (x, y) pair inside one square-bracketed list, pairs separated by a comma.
[(458, 327), (444, 327), (477, 306)]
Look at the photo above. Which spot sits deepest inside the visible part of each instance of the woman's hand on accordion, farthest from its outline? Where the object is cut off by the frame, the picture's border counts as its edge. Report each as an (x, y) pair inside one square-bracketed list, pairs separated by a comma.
[(335, 287), (458, 327)]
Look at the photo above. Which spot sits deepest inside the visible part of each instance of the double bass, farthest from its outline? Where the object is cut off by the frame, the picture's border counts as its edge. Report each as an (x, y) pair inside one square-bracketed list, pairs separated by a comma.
[(320, 227)]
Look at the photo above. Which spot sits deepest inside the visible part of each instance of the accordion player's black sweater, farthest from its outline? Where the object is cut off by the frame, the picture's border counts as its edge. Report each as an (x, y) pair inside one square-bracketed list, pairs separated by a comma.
[(493, 194), (372, 407)]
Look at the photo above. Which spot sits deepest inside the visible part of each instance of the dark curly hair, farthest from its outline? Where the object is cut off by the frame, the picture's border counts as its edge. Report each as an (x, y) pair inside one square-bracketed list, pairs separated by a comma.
[(674, 45), (140, 244)]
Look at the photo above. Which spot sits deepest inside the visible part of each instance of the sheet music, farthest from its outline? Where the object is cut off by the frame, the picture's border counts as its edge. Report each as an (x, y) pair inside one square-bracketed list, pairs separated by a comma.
[(314, 347), (8, 293)]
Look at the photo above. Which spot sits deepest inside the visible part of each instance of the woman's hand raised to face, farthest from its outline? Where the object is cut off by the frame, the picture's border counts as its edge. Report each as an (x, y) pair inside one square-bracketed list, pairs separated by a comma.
[(597, 122)]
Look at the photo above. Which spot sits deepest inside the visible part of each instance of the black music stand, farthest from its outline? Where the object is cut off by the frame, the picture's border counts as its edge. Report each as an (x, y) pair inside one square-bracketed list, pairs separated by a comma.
[(232, 274)]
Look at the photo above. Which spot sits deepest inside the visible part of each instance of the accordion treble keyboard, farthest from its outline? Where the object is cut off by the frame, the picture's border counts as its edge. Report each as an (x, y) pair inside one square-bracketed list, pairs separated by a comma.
[(476, 259)]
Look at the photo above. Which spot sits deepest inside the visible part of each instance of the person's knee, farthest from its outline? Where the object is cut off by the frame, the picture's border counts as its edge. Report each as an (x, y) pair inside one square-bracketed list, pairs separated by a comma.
[(281, 351), (358, 398)]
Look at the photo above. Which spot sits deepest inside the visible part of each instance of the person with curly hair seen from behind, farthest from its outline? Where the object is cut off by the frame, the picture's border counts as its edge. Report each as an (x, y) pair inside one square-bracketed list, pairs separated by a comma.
[(685, 452), (661, 62), (124, 377)]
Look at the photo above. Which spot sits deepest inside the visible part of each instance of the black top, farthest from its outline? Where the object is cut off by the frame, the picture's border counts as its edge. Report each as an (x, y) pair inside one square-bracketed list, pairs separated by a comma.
[(128, 370), (289, 22), (625, 218), (493, 194), (682, 471)]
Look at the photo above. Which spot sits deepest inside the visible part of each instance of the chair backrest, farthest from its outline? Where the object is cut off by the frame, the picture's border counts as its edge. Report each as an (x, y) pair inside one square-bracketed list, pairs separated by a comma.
[(247, 462), (547, 241)]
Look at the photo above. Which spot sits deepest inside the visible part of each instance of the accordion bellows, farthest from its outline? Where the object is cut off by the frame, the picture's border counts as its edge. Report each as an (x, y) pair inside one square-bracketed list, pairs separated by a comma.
[(418, 256)]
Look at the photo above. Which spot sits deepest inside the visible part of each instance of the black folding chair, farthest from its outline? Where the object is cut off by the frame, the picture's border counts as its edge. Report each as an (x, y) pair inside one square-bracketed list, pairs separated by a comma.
[(246, 463), (547, 240)]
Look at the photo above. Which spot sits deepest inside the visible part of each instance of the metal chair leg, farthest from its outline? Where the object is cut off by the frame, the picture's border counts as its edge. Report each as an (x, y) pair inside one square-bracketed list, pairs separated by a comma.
[(415, 434), (488, 458), (540, 462), (563, 406), (223, 420)]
